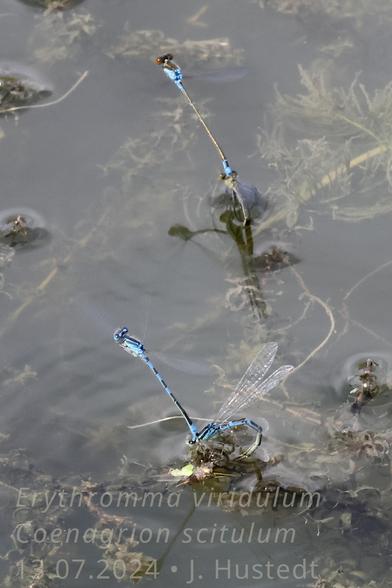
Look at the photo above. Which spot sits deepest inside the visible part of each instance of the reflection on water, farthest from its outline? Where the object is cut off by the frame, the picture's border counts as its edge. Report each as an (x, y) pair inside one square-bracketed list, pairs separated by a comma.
[(124, 180)]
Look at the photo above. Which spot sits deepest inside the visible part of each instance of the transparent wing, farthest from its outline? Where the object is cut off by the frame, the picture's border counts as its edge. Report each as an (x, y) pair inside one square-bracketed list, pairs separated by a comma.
[(249, 198), (264, 424), (253, 375), (225, 74), (246, 193), (260, 389), (183, 364)]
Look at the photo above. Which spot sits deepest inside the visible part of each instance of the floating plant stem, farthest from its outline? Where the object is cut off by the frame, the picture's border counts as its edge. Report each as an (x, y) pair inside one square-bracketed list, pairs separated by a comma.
[(353, 163), (368, 275), (328, 312)]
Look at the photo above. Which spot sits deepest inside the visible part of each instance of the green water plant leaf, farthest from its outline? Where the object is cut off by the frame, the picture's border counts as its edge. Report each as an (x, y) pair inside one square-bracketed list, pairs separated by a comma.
[(184, 472)]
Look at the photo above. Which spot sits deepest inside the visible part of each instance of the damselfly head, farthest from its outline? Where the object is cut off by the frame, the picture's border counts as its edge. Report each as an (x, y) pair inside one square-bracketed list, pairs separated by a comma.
[(129, 344), (119, 334), (162, 59)]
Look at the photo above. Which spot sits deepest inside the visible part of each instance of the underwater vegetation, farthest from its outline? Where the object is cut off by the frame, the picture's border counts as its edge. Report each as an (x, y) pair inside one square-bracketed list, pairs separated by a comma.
[(327, 148), (369, 385), (22, 227), (52, 5), (353, 151), (345, 153), (60, 36), (338, 573), (341, 9), (6, 255), (18, 89), (216, 464), (39, 558), (216, 52)]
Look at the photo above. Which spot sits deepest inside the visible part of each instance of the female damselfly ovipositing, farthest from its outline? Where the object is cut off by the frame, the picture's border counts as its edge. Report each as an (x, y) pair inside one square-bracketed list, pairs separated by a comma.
[(250, 388), (245, 195)]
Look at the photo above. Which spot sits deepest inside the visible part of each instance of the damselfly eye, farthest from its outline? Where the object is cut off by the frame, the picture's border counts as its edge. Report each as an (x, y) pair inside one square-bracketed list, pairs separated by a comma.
[(120, 333), (163, 58)]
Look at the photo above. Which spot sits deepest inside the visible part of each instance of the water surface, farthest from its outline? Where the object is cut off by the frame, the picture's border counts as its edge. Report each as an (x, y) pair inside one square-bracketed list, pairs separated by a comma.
[(110, 170)]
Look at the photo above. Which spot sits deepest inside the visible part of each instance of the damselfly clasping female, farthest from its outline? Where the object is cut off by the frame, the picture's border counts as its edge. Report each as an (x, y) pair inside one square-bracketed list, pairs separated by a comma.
[(244, 194), (250, 388)]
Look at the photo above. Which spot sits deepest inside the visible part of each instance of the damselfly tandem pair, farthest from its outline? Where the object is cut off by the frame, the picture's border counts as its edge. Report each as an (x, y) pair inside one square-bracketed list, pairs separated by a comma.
[(242, 193), (250, 388)]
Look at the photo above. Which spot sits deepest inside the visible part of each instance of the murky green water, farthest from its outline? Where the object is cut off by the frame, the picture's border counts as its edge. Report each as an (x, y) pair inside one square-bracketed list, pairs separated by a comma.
[(118, 188)]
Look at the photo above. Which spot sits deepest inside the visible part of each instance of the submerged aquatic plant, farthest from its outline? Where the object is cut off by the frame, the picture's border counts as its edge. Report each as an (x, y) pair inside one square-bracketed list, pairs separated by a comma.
[(20, 230), (52, 4), (339, 112), (6, 255), (338, 8), (19, 90), (60, 36), (31, 562), (337, 572), (369, 384), (216, 465), (361, 443), (149, 43), (14, 378), (155, 148), (334, 144)]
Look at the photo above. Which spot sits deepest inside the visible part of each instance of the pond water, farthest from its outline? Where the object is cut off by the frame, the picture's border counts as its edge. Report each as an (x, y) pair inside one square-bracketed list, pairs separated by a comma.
[(111, 214)]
